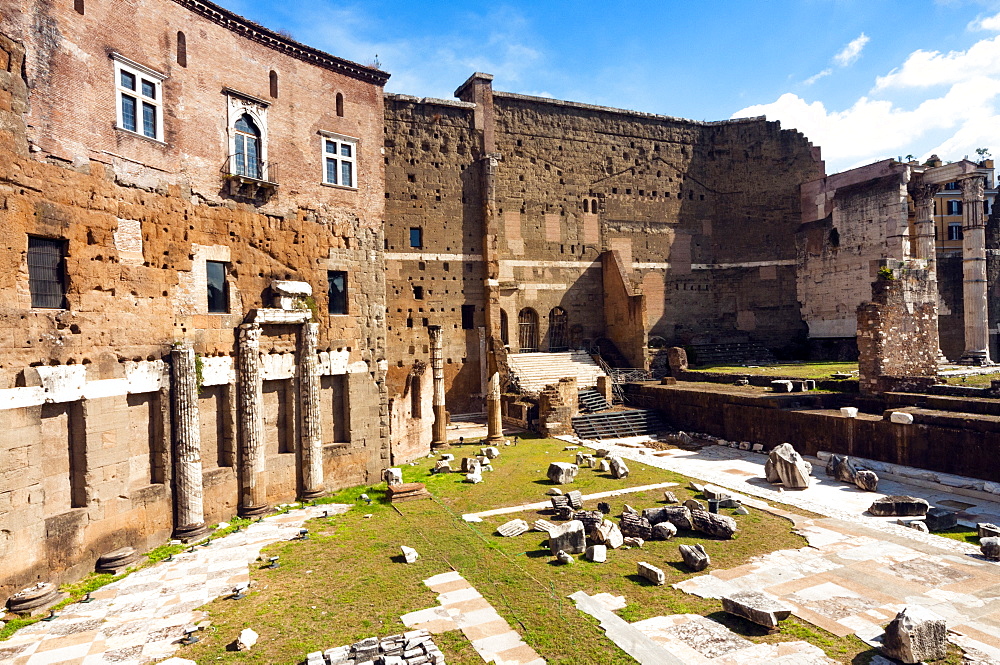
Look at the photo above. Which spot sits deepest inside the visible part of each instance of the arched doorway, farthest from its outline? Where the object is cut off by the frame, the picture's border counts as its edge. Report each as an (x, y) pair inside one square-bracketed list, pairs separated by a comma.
[(527, 326), (558, 340)]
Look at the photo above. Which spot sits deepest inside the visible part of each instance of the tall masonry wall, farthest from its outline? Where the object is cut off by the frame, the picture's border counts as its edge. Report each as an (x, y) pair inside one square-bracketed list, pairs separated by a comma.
[(88, 402)]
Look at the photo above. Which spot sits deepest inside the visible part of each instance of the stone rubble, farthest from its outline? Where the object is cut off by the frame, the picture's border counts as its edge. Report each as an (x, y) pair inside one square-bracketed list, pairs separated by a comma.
[(915, 635), (986, 530), (442, 466), (604, 507), (786, 466), (663, 531), (899, 506), (597, 553), (409, 554), (990, 547), (758, 607), (669, 497), (575, 499), (393, 476), (607, 533), (247, 639), (412, 648), (407, 492), (562, 473), (569, 537), (543, 525), (564, 557), (632, 541), (470, 465), (490, 452), (712, 524), (866, 480), (513, 528), (940, 519), (604, 466), (635, 526), (651, 573), (618, 468), (695, 557), (590, 519), (692, 504)]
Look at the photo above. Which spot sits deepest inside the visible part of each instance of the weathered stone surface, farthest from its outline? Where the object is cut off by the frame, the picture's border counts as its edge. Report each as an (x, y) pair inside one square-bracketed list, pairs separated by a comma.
[(651, 573), (781, 386), (987, 530), (513, 528), (393, 476), (899, 506), (901, 418), (607, 533), (604, 507), (756, 606), (442, 466), (604, 466), (669, 497), (695, 557), (634, 541), (742, 510), (849, 411), (692, 504), (786, 466), (410, 555), (714, 493), (490, 452), (663, 531), (560, 502), (633, 525), (597, 553), (117, 562), (562, 473), (575, 499), (601, 452), (34, 599), (841, 468), (990, 547), (543, 525), (915, 635), (564, 557), (712, 524), (554, 491), (679, 516), (590, 519), (629, 510), (474, 478), (618, 467), (569, 537), (247, 639), (940, 519), (866, 480), (471, 465)]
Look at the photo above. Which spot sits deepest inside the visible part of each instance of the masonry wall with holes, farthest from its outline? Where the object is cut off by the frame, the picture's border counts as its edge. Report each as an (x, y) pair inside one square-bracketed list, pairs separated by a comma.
[(118, 242)]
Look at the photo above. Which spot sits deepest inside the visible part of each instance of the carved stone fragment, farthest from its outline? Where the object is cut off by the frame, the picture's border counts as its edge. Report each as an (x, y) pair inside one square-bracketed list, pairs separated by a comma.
[(618, 467), (695, 557), (664, 531), (569, 537), (513, 528), (651, 573), (712, 524), (758, 607), (562, 473), (607, 533), (633, 525), (915, 635), (899, 506), (786, 466)]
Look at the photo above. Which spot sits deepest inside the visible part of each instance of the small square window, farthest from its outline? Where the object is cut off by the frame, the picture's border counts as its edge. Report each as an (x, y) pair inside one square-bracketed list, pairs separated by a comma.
[(418, 292), (416, 237), (218, 288), (47, 272), (139, 97), (336, 291), (339, 161)]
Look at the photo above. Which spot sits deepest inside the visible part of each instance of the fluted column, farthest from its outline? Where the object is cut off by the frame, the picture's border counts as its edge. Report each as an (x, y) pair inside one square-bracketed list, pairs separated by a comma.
[(189, 514), (923, 202), (311, 444), (494, 419), (974, 273), (252, 470), (439, 435)]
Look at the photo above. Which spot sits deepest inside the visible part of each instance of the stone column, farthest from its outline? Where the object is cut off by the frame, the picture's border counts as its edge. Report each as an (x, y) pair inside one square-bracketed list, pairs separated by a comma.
[(494, 418), (977, 338), (439, 437), (923, 201), (189, 520), (249, 386), (311, 433)]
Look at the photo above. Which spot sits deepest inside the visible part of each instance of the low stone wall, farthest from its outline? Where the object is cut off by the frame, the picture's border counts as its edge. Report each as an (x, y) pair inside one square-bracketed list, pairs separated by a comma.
[(959, 443), (834, 385)]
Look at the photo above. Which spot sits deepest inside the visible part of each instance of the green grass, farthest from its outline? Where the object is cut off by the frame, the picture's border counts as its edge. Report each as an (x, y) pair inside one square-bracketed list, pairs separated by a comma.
[(804, 370), (972, 380), (347, 582), (961, 533)]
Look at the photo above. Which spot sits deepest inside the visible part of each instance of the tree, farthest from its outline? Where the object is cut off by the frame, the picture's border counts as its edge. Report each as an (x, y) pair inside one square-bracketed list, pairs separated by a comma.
[(984, 153)]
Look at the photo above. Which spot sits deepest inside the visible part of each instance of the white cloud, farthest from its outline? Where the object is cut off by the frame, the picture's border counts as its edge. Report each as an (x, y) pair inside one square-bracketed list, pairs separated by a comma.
[(923, 69), (850, 53), (989, 23), (815, 77)]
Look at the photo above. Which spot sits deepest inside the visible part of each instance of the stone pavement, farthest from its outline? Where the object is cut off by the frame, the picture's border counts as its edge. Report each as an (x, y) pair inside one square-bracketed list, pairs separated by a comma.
[(462, 607), (858, 570), (139, 618)]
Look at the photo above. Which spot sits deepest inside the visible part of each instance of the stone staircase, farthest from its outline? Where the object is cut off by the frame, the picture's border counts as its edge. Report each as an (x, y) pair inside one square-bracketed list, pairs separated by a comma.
[(591, 401), (534, 371), (618, 424)]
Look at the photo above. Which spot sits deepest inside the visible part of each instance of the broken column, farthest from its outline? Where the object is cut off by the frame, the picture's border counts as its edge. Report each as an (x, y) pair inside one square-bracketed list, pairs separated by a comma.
[(439, 432), (923, 201), (494, 419), (311, 443), (189, 520), (974, 273), (252, 469)]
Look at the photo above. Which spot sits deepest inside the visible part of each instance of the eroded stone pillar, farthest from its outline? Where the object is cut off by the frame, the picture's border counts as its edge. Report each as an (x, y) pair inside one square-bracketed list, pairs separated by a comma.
[(189, 514), (249, 386), (923, 201), (494, 418), (974, 273), (311, 433), (439, 435)]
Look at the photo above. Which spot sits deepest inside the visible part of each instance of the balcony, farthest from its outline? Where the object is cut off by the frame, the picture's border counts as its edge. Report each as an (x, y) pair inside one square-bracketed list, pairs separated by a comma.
[(248, 178)]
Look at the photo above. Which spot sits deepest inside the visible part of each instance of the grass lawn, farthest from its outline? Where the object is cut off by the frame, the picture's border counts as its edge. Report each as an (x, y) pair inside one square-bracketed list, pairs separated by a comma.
[(972, 380), (347, 582), (804, 370)]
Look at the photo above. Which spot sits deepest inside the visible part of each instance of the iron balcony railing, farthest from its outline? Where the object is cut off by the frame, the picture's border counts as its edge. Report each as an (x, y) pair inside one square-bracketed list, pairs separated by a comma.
[(238, 167)]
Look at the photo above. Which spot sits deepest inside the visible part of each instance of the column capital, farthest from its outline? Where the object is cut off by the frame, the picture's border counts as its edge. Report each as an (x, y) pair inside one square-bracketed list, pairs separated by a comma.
[(973, 189), (922, 193)]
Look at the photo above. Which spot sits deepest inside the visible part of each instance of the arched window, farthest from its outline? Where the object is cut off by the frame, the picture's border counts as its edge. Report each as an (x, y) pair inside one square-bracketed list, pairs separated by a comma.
[(586, 205), (340, 105), (557, 330), (527, 330), (274, 84), (504, 334), (246, 157), (182, 49)]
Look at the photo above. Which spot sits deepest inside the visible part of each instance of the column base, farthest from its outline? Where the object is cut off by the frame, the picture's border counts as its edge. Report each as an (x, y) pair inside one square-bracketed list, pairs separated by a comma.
[(976, 358), (440, 445), (190, 533), (253, 511), (310, 495)]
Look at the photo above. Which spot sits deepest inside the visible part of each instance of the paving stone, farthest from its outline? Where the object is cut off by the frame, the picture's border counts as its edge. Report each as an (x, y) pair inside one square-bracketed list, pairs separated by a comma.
[(758, 607)]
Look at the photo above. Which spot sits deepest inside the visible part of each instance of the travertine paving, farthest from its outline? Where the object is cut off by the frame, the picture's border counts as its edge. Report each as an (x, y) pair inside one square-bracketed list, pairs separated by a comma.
[(140, 618), (462, 607)]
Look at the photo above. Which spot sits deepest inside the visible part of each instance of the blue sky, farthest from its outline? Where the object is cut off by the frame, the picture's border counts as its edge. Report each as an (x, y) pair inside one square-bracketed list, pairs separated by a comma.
[(864, 80)]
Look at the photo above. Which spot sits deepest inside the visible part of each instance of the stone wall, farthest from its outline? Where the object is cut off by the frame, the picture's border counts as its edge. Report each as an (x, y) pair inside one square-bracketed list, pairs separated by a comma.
[(87, 390), (898, 328)]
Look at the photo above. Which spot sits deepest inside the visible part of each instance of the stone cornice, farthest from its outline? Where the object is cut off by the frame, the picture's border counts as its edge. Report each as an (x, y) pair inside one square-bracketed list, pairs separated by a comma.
[(258, 33)]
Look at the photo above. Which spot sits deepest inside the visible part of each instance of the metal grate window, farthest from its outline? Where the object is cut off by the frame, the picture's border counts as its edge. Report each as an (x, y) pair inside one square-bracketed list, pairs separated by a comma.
[(218, 289), (558, 340), (46, 273)]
